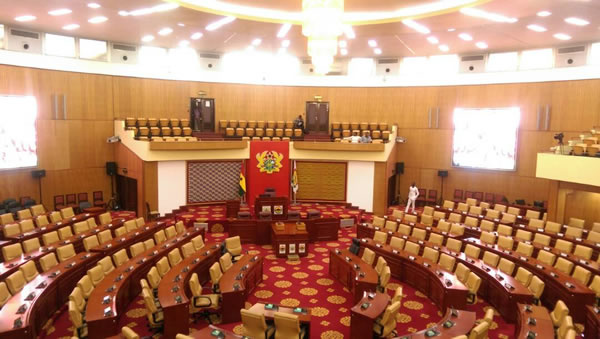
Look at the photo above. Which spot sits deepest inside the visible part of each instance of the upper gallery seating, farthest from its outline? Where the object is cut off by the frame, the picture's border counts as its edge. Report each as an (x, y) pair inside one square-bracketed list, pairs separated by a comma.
[(377, 130), (149, 128), (585, 145)]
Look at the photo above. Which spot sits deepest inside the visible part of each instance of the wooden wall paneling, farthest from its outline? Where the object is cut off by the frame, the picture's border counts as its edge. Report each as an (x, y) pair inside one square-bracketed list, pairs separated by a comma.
[(380, 188), (19, 183), (151, 98), (534, 96), (74, 181), (575, 105), (88, 96), (446, 103), (131, 166), (582, 205), (150, 185)]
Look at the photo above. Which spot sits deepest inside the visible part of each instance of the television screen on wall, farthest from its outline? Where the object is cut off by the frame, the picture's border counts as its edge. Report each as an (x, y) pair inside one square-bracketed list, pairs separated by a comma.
[(18, 142)]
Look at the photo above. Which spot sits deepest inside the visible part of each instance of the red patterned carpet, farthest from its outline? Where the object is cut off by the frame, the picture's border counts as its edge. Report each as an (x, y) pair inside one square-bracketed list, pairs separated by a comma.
[(306, 283)]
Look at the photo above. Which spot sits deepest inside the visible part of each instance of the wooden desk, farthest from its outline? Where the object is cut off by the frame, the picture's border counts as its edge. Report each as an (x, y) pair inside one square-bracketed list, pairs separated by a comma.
[(122, 285), (271, 202), (38, 232), (205, 333), (289, 240), (543, 327), (44, 299), (323, 229), (362, 320), (303, 317), (590, 265), (592, 322), (235, 291), (174, 293), (462, 321), (253, 231), (575, 297), (128, 239), (342, 267), (77, 239), (9, 267)]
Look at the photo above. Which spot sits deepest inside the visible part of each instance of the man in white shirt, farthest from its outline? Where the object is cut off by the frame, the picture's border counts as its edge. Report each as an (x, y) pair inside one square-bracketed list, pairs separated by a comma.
[(355, 138), (413, 194)]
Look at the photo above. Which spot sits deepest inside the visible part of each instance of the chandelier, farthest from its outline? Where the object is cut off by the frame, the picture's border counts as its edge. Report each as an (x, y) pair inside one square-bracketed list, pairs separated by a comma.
[(322, 24)]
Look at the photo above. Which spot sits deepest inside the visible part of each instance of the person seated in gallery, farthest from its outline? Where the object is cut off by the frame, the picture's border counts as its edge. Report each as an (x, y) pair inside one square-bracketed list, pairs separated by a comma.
[(299, 123), (355, 138), (366, 138)]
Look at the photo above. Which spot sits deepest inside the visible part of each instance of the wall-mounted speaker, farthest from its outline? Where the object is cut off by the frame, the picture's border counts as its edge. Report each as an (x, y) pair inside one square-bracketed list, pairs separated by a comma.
[(38, 174), (443, 174), (400, 168), (111, 168)]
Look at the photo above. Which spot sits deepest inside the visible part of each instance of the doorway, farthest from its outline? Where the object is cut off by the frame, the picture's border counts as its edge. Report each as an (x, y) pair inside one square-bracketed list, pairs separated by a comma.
[(202, 114), (127, 193), (391, 192), (317, 117)]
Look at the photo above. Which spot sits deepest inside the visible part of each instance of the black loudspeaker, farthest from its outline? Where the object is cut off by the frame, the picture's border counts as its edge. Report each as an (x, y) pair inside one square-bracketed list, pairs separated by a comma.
[(38, 174), (111, 168), (442, 174), (399, 168)]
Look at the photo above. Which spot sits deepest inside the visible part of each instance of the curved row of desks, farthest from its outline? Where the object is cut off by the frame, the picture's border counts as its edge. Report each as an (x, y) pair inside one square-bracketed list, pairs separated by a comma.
[(259, 231), (237, 284), (352, 272), (120, 287), (27, 311)]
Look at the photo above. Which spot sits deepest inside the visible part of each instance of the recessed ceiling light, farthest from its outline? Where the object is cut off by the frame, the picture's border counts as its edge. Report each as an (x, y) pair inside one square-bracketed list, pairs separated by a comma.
[(24, 18), (465, 36), (70, 27), (97, 19), (444, 48), (343, 44), (372, 43), (451, 29), (196, 36), (94, 5), (154, 9), (147, 38), (285, 43), (577, 21), (481, 45), (165, 31), (123, 13), (377, 51), (184, 43), (416, 26), (256, 42), (562, 36), (180, 24), (479, 13), (283, 31), (349, 32), (537, 28), (544, 13), (433, 40), (217, 24), (61, 11), (343, 51)]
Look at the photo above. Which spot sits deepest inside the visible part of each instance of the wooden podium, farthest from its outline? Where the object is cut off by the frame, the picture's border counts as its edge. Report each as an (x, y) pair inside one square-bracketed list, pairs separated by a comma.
[(277, 205)]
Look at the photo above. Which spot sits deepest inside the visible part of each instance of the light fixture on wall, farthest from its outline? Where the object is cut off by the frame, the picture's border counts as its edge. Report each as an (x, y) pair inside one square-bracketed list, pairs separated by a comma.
[(322, 24), (201, 94), (318, 98)]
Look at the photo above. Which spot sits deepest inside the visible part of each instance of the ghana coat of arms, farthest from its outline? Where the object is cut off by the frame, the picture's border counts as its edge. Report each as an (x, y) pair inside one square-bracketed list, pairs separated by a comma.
[(269, 161)]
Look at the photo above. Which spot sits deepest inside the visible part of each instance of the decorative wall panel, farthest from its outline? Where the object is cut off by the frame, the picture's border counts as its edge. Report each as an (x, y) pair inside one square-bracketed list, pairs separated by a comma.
[(321, 180), (212, 181)]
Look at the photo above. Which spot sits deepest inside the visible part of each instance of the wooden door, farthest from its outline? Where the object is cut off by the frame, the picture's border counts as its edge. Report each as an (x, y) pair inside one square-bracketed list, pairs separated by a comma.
[(127, 193), (391, 193), (317, 117), (202, 114)]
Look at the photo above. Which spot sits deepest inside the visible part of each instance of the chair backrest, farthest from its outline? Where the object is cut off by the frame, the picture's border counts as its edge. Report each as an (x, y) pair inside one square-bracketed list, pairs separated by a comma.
[(462, 207), (105, 218), (160, 237), (484, 204), (436, 239), (90, 242), (106, 264), (492, 214), (487, 226), (29, 270), (397, 243), (75, 316), (163, 266), (443, 226), (86, 286), (472, 251), (404, 229), (448, 204), (120, 231), (523, 276), (582, 275), (536, 287), (66, 252), (457, 229), (437, 215), (77, 298), (462, 272), (480, 331), (37, 210), (506, 242), (180, 227), (368, 256), (286, 325), (65, 232), (553, 227), (148, 244), (378, 221), (130, 225), (128, 333), (104, 237), (595, 285), (546, 257), (11, 230), (198, 242), (7, 218), (508, 218), (55, 216), (42, 220), (541, 239), (153, 277), (31, 245), (455, 217), (410, 218), (537, 223), (473, 283), (563, 246), (91, 223), (9, 252), (525, 249), (453, 244), (506, 266), (580, 251), (447, 262), (523, 235), (96, 274), (120, 257), (380, 237), (187, 250), (471, 201), (170, 232), (472, 222), (174, 257), (475, 210), (514, 211), (398, 214), (15, 282), (576, 222), (254, 324), (419, 233), (136, 249), (215, 273), (409, 247), (491, 258), (505, 230), (427, 220), (195, 286), (428, 210), (234, 245), (381, 264), (431, 254), (50, 238), (48, 261), (531, 214), (4, 294), (560, 311), (26, 225), (67, 212), (139, 222)]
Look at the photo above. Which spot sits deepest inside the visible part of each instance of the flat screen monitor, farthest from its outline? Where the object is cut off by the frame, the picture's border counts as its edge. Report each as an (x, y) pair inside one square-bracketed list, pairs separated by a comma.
[(18, 139)]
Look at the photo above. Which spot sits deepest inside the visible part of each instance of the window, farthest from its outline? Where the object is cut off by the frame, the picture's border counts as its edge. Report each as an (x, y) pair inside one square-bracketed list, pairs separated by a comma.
[(537, 59), (502, 62), (154, 58), (361, 67), (595, 54), (92, 49), (17, 132), (1, 36), (443, 64), (59, 45), (413, 65), (486, 138), (183, 60)]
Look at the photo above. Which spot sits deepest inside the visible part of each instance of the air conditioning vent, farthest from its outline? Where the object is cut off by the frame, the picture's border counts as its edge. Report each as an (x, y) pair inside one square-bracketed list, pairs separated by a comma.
[(387, 61), (210, 56), (569, 50), (24, 34), (124, 47), (306, 62), (473, 58), (335, 73)]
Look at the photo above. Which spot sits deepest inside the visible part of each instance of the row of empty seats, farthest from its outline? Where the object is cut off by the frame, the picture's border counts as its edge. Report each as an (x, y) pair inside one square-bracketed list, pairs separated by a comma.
[(260, 124), (360, 126), (154, 122), (260, 132), (148, 133)]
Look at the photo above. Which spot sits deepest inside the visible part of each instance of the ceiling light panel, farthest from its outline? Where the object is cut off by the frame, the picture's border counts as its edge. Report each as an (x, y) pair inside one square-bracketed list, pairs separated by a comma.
[(372, 43), (343, 51), (70, 27), (219, 23), (481, 45), (147, 38), (537, 28), (184, 43), (444, 48), (25, 18), (61, 11), (475, 12), (94, 5), (433, 40), (256, 42), (285, 43), (465, 37), (155, 9), (577, 21), (416, 26), (562, 36), (544, 14), (196, 36), (165, 31), (97, 19), (343, 44), (283, 31), (377, 51)]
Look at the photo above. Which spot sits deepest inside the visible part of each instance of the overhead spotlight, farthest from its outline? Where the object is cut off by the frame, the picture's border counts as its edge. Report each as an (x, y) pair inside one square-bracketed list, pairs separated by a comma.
[(562, 36), (481, 45), (479, 13), (372, 43), (349, 32), (70, 27), (256, 42), (123, 13), (465, 36), (377, 51), (61, 11), (577, 21), (180, 24), (537, 28), (93, 5), (343, 51), (433, 40), (343, 44), (444, 48), (184, 43), (219, 23), (25, 18), (97, 19), (165, 31)]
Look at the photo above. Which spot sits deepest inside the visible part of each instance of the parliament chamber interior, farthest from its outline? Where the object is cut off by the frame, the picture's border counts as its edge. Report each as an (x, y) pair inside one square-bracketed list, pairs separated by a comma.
[(299, 168)]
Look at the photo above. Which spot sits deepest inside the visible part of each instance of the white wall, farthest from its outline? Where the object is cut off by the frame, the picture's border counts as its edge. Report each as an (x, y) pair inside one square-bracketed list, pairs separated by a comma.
[(360, 184), (171, 185)]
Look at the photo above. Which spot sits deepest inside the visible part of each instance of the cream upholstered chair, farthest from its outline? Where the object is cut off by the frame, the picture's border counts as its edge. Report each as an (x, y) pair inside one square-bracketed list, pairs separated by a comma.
[(410, 218), (506, 266), (447, 262), (443, 226), (448, 204), (29, 271), (462, 207), (576, 222), (574, 232), (546, 257), (531, 214), (160, 237), (565, 326), (66, 252), (552, 227), (140, 222), (462, 272), (225, 261), (104, 237), (91, 223), (380, 237), (454, 245), (436, 239), (198, 242), (31, 245), (48, 261), (480, 331), (381, 264), (11, 230), (10, 252), (86, 286), (559, 313), (120, 257), (148, 244), (42, 220), (174, 257), (386, 324), (410, 247), (457, 229), (255, 325), (7, 218), (106, 264), (368, 256), (136, 249), (187, 250), (487, 238), (4, 294), (55, 217), (475, 210), (65, 233), (79, 326), (505, 230), (455, 218), (37, 210), (428, 210), (582, 275), (500, 208), (471, 202), (541, 239), (96, 274), (523, 235), (288, 326), (484, 204), (76, 297), (26, 225), (130, 225), (536, 287), (128, 333), (180, 227), (163, 267), (427, 220), (595, 286), (398, 214), (153, 279), (431, 254), (397, 243), (419, 233), (524, 249), (523, 276), (437, 215), (506, 243), (154, 315), (67, 212), (514, 211), (473, 283), (391, 226), (492, 214), (15, 282), (537, 223), (583, 252), (491, 258), (215, 275), (471, 222), (120, 231), (202, 303), (564, 265), (90, 242), (384, 279), (472, 251), (594, 236), (378, 221), (105, 218), (171, 232), (404, 229), (487, 226), (508, 218), (233, 245)]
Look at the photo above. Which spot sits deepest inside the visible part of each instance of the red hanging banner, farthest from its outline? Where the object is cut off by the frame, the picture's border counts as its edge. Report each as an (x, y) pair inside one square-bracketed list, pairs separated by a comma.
[(269, 166)]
